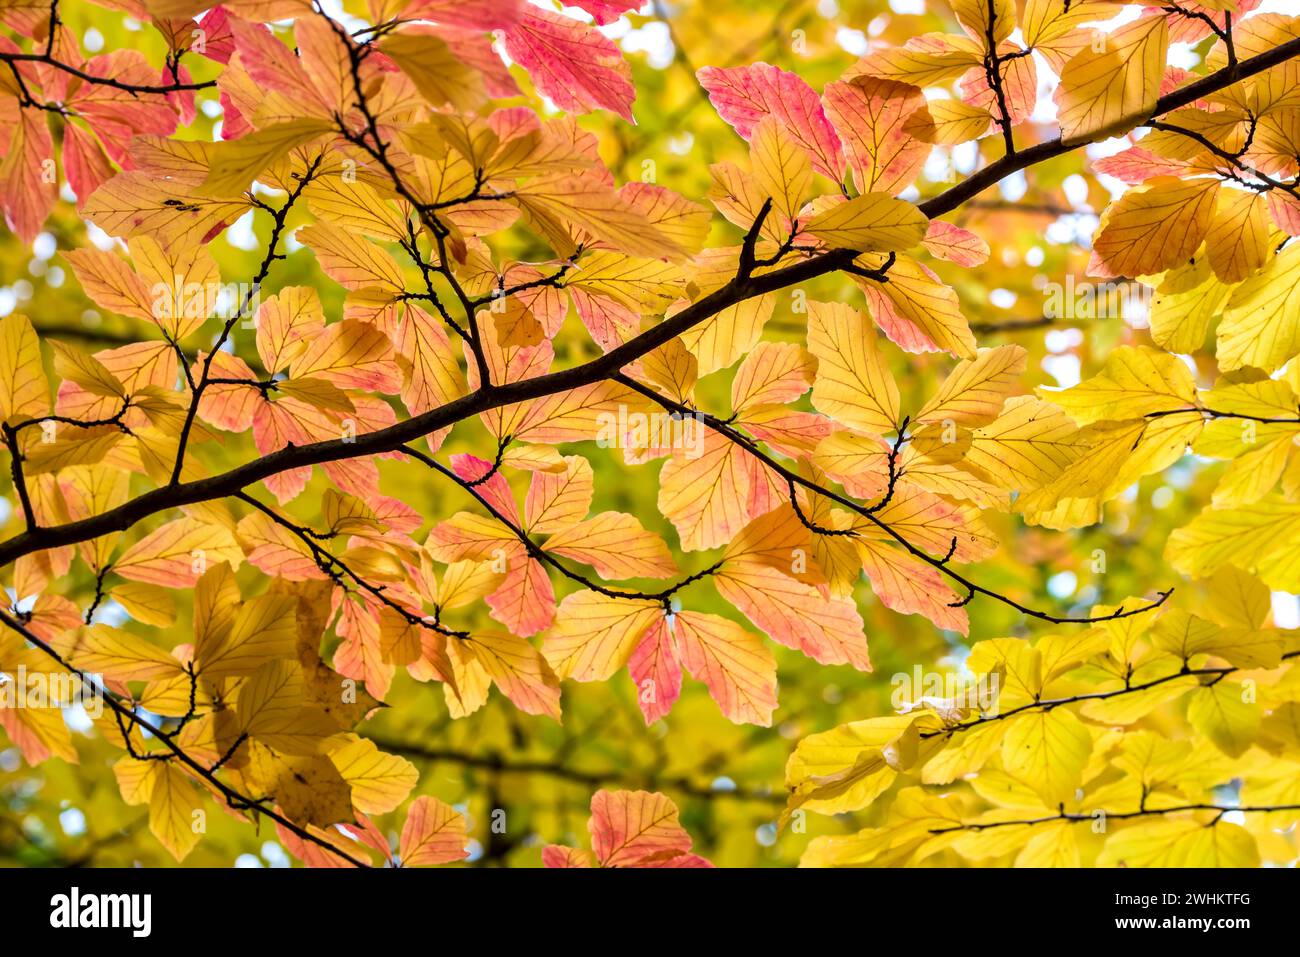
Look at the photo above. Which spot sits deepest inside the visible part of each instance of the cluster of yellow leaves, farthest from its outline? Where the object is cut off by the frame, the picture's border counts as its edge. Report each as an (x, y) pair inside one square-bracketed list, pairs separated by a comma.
[(1057, 752), (1141, 413)]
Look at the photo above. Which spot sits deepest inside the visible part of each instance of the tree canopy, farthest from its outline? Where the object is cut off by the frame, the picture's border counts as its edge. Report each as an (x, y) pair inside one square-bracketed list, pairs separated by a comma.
[(649, 434)]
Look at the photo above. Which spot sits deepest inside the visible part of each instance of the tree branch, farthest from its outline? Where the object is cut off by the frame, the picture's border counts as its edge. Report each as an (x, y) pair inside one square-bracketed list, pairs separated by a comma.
[(490, 396), (867, 512)]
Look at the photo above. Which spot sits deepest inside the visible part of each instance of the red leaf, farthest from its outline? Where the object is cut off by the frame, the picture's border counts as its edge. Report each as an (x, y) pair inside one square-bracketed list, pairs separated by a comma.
[(743, 95), (575, 65), (656, 671), (84, 162), (607, 11)]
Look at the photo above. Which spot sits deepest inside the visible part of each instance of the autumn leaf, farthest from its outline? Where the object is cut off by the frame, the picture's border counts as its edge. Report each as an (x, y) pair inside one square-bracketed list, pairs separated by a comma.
[(1109, 88), (576, 66), (433, 834), (417, 420), (631, 829)]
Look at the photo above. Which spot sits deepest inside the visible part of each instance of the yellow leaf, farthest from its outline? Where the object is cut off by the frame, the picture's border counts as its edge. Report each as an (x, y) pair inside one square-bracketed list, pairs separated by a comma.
[(594, 635), (1253, 475), (1185, 635), (1261, 324), (1257, 538), (927, 60), (263, 628), (1237, 599), (1044, 21), (673, 369), (587, 203), (1117, 455), (178, 553), (616, 545), (436, 72), (853, 384), (846, 764), (1135, 381), (872, 222), (24, 393), (676, 217), (183, 282), (147, 604), (109, 280), (949, 122), (1110, 87), (173, 802), (979, 18), (1159, 227), (236, 163), (76, 447), (640, 284), (1048, 750), (350, 260), (973, 393), (519, 671), (782, 171), (86, 371), (309, 790), (1128, 708), (352, 205), (917, 312), (271, 697), (1019, 666), (1223, 714), (774, 373), (1238, 238), (463, 583), (1026, 446), (133, 204), (1186, 303), (721, 340), (102, 649), (379, 782), (1180, 843)]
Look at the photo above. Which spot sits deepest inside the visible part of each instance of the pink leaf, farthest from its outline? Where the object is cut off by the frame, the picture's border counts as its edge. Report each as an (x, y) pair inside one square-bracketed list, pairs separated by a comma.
[(218, 40), (629, 827), (557, 855), (871, 116), (744, 95), (28, 174), (605, 11), (84, 163), (656, 671), (434, 833), (574, 64), (475, 14), (946, 241), (525, 602), (488, 482)]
